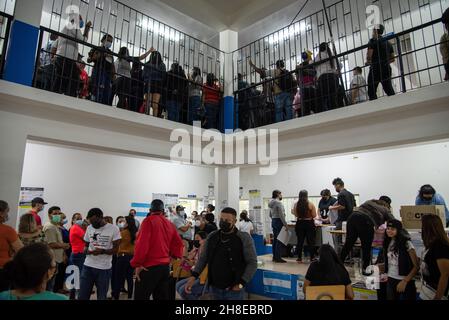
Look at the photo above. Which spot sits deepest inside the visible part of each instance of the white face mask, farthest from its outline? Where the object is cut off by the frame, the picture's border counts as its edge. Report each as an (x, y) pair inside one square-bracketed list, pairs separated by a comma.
[(197, 223), (121, 225)]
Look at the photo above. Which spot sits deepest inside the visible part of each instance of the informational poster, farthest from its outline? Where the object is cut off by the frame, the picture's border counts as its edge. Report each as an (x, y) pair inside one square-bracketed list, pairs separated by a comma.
[(255, 211), (170, 200), (27, 194)]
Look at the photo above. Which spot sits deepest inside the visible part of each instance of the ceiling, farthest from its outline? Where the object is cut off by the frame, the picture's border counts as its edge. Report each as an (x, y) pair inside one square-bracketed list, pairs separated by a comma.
[(229, 14)]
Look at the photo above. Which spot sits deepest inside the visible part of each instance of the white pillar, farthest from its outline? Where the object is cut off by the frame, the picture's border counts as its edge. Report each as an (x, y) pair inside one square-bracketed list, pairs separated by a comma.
[(227, 184), (12, 146), (228, 44)]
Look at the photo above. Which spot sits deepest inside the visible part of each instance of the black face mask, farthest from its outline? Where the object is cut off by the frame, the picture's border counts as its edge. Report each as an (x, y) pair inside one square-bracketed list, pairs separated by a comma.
[(196, 243), (225, 226)]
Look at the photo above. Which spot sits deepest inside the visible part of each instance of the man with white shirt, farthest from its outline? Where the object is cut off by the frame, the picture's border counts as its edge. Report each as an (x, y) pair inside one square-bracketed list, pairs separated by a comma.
[(66, 51), (102, 242)]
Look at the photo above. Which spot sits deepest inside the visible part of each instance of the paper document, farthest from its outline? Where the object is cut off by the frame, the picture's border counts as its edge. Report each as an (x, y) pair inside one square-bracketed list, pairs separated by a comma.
[(284, 236)]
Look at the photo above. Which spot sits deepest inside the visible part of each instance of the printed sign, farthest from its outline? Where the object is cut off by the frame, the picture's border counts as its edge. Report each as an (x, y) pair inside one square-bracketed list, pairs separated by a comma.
[(27, 194)]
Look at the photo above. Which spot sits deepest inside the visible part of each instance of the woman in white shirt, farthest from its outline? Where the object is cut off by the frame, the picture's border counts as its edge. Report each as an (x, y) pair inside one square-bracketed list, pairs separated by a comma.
[(245, 224), (327, 74)]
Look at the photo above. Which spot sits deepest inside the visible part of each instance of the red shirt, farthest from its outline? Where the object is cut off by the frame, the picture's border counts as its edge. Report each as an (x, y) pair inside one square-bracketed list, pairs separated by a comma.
[(77, 239), (211, 94), (157, 242), (37, 218)]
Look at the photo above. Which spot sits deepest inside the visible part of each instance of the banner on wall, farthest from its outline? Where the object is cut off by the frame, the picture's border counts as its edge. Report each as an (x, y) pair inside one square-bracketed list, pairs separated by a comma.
[(170, 200), (27, 194), (255, 211)]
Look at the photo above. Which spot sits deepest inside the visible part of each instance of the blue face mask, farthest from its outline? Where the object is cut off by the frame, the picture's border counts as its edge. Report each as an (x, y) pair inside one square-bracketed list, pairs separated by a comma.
[(79, 222), (81, 24)]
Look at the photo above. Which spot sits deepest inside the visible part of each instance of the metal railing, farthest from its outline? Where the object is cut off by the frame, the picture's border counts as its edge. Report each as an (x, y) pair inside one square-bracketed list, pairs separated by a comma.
[(138, 86), (5, 27), (417, 64), (136, 31)]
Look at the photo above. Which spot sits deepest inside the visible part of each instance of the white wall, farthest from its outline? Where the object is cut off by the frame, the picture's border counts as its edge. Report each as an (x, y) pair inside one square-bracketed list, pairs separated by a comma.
[(397, 173), (77, 180)]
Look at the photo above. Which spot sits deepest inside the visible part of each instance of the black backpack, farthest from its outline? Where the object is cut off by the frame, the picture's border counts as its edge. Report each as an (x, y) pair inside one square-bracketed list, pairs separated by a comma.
[(286, 82)]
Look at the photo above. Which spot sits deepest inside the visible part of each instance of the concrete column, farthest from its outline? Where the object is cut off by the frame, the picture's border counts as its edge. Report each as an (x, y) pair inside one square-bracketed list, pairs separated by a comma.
[(12, 154), (227, 184), (228, 43), (23, 42)]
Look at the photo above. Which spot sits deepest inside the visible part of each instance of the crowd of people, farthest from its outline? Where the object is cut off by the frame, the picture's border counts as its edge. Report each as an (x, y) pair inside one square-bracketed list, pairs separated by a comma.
[(171, 252), (139, 85), (317, 85)]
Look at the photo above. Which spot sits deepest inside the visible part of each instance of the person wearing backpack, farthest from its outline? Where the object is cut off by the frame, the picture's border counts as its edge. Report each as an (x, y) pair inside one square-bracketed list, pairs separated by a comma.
[(284, 89)]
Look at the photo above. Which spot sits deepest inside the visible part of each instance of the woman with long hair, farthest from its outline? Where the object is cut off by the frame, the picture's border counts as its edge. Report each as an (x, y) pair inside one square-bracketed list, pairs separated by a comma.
[(128, 231), (29, 233), (305, 213), (328, 270), (176, 84), (327, 73), (435, 260), (245, 224), (401, 262), (154, 76)]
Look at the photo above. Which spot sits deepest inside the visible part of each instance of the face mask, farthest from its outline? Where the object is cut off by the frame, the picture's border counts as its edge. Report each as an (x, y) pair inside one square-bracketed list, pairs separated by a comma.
[(96, 224), (65, 221), (81, 24), (79, 222), (121, 225), (182, 213), (197, 223), (196, 243), (427, 199), (108, 45), (225, 226), (56, 219)]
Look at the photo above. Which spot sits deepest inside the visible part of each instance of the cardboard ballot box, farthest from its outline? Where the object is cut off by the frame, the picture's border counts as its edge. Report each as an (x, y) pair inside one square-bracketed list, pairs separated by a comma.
[(411, 215)]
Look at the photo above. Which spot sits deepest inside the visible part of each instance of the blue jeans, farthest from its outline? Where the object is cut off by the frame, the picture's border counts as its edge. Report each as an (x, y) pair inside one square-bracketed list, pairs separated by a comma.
[(197, 290), (173, 108), (223, 294), (211, 115), (283, 104), (277, 225), (99, 278), (194, 106), (76, 259)]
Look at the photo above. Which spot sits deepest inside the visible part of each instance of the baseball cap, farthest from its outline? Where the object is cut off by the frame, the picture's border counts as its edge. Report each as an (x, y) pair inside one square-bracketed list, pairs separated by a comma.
[(38, 200), (179, 208)]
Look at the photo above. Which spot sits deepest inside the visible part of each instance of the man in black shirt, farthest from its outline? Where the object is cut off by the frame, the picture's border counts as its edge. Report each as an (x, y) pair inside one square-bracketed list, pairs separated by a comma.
[(345, 202), (231, 259), (380, 55), (326, 201)]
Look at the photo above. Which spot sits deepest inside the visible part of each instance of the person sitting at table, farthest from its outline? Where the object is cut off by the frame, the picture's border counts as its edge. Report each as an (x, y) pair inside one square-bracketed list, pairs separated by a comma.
[(362, 224), (326, 201), (328, 270)]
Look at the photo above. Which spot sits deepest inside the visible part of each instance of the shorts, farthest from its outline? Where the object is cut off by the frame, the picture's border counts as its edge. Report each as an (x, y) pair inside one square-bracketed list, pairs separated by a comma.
[(155, 87)]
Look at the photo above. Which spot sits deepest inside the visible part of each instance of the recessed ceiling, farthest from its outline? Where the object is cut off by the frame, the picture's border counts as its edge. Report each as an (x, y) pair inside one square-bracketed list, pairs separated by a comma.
[(229, 14)]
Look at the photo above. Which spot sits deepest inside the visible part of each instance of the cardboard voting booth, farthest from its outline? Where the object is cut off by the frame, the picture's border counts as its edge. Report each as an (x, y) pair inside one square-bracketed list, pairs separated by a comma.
[(411, 215)]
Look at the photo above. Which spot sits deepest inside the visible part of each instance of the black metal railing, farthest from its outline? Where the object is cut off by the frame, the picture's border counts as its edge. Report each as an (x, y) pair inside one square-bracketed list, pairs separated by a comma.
[(306, 93), (126, 82), (5, 27), (136, 31)]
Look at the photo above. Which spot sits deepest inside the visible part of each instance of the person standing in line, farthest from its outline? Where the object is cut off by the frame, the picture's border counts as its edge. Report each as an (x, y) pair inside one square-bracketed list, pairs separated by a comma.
[(154, 74), (29, 232), (157, 242), (133, 213), (401, 262), (305, 213), (125, 254), (66, 52), (9, 244), (306, 75), (195, 95), (115, 290), (231, 259), (327, 74), (176, 85), (362, 224), (428, 196), (211, 101), (76, 236), (278, 221), (358, 86), (55, 242), (245, 224), (435, 260), (60, 275), (102, 242), (37, 205), (379, 57)]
